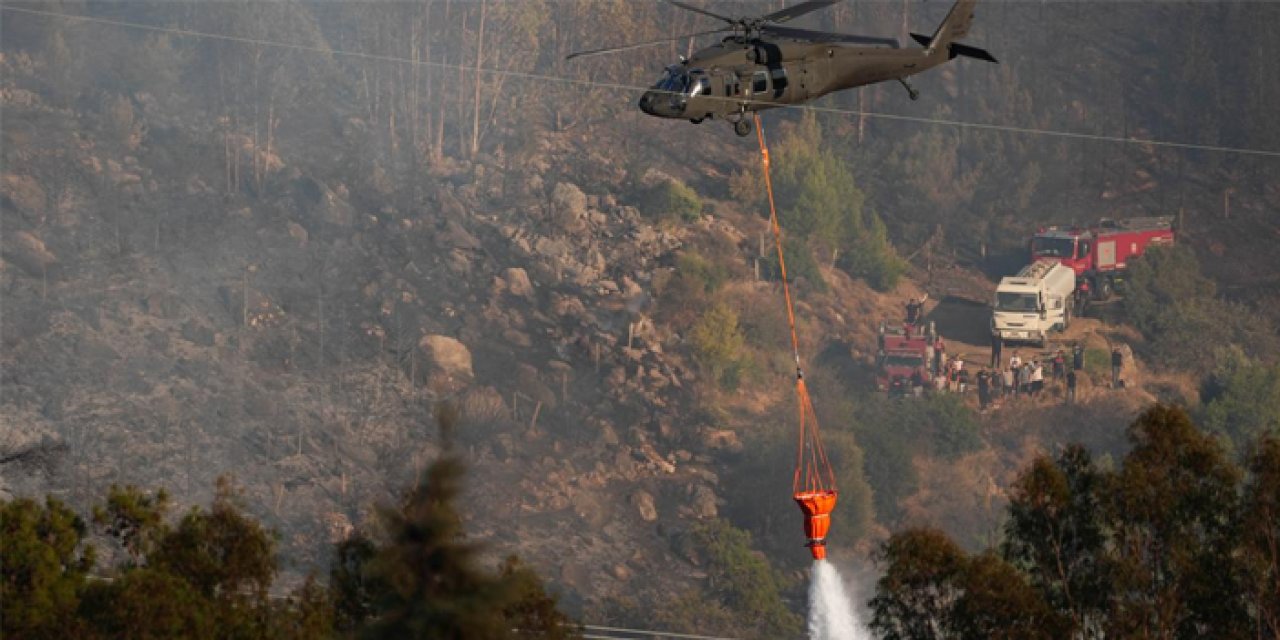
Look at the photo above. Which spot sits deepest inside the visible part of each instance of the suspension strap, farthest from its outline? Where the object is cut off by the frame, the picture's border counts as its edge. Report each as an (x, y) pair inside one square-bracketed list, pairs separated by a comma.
[(777, 241), (813, 469)]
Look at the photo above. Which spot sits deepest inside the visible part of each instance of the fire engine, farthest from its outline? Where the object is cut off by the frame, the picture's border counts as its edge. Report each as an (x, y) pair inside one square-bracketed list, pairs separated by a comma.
[(1101, 253), (904, 358)]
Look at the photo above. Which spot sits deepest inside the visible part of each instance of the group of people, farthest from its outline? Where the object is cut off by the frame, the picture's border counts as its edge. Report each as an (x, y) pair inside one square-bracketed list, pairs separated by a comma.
[(1027, 377), (1019, 377)]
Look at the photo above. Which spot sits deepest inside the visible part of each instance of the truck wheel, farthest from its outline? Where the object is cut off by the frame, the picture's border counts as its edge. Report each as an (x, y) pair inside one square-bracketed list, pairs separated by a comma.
[(1102, 288)]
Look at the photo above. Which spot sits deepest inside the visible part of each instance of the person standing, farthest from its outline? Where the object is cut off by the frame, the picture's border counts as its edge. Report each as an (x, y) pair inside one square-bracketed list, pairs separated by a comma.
[(1059, 365), (984, 390), (1077, 357), (997, 345), (914, 307), (1015, 360), (1117, 361), (1037, 377), (1009, 382), (939, 357), (1071, 387)]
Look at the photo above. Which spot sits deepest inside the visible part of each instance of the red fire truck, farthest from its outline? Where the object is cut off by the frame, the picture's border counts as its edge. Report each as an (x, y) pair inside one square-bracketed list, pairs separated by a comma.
[(1100, 253), (904, 359)]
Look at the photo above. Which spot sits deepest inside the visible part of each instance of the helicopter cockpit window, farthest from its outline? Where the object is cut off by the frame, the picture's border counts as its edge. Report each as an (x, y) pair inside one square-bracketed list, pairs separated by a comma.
[(673, 80)]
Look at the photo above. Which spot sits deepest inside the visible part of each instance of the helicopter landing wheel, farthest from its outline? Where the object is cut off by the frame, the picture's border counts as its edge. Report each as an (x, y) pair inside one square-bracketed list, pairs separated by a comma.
[(743, 127)]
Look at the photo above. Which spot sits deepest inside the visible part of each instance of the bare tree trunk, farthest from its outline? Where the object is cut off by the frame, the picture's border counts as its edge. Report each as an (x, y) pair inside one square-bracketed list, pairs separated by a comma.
[(461, 103), (271, 126), (475, 101), (226, 157)]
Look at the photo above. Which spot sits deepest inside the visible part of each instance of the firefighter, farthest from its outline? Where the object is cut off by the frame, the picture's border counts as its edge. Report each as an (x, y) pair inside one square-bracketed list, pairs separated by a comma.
[(1071, 387), (1077, 357), (914, 307), (1117, 361), (1059, 365), (984, 390), (997, 344)]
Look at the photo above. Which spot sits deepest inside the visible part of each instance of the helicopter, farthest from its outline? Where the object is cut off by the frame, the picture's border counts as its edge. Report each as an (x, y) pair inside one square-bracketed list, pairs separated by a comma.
[(762, 65)]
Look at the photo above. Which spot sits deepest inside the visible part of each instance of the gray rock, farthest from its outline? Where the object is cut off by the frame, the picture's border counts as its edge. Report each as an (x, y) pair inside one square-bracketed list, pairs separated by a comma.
[(448, 363), (25, 194), (569, 207), (454, 236), (704, 502), (28, 252), (644, 503), (518, 283)]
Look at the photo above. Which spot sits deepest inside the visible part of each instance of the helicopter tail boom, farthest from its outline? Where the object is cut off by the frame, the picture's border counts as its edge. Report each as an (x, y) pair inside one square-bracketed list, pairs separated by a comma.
[(954, 27)]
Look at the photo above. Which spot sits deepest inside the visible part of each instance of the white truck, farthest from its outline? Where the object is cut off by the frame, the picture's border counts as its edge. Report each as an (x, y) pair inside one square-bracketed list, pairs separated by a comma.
[(1036, 301)]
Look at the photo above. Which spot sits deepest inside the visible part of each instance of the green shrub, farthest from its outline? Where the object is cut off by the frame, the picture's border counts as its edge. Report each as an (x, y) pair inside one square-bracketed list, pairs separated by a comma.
[(1176, 308), (801, 264), (744, 579), (1097, 363), (893, 432), (1242, 398), (821, 202), (717, 343), (710, 275), (672, 200)]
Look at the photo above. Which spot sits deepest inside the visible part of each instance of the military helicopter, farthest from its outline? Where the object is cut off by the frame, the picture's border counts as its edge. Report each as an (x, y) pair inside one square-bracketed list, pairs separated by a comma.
[(762, 65)]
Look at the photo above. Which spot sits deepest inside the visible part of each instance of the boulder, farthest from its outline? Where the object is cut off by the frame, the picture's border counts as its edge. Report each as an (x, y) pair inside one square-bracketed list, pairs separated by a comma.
[(448, 363), (335, 210), (569, 207), (297, 232), (28, 252), (24, 194), (644, 503), (704, 502), (726, 439), (518, 283)]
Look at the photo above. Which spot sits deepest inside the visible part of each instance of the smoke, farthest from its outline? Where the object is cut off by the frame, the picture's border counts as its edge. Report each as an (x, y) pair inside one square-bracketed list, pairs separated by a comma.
[(832, 615)]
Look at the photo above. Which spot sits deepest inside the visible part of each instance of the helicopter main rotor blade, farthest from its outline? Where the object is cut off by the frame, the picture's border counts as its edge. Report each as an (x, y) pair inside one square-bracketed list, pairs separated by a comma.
[(689, 7), (797, 11), (625, 47), (823, 36)]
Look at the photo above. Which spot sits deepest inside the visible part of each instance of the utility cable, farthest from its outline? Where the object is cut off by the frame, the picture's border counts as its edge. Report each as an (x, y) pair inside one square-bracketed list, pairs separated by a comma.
[(633, 88)]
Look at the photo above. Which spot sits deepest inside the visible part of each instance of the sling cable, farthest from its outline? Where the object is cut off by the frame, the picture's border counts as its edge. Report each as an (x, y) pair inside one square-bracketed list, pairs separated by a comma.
[(813, 485)]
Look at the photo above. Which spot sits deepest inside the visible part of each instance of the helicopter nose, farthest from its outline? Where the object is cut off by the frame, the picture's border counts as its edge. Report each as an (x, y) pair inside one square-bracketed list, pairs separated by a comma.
[(660, 104), (648, 104)]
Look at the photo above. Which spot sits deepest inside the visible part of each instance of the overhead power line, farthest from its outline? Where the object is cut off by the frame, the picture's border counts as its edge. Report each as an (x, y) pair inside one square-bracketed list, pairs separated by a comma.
[(626, 87)]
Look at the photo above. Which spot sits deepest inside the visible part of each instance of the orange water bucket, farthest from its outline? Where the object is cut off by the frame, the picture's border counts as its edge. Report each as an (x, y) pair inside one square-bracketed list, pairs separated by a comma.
[(817, 507)]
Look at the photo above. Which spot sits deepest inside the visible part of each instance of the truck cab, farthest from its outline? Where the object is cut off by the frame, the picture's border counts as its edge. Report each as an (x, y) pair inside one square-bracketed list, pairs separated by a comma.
[(903, 361), (1039, 300), (1072, 247)]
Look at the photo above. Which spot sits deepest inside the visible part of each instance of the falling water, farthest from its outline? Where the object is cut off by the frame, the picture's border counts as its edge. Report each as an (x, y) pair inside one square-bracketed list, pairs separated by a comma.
[(831, 612)]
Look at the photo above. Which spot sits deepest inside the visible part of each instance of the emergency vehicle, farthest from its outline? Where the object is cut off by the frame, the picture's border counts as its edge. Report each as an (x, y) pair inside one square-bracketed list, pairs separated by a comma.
[(1101, 253)]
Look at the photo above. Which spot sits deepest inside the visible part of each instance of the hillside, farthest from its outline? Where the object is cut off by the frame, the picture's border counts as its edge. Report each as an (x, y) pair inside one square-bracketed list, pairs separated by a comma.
[(272, 263)]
